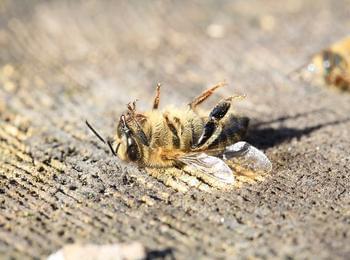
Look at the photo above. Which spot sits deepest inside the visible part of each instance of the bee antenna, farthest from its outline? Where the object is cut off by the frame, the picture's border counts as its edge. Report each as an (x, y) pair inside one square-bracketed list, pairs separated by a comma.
[(109, 142), (95, 132)]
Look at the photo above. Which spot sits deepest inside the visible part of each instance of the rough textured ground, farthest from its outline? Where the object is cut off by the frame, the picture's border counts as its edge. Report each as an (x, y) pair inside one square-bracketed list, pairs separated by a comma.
[(66, 61)]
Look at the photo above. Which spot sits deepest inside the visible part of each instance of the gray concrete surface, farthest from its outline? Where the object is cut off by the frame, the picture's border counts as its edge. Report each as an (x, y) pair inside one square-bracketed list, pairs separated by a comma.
[(66, 61)]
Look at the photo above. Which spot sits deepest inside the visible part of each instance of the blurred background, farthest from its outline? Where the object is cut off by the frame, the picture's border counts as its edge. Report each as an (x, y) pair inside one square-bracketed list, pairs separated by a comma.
[(111, 52), (62, 62)]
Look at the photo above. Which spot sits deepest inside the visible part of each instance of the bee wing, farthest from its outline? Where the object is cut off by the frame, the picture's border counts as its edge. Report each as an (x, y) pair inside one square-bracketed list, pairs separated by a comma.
[(248, 157), (210, 166)]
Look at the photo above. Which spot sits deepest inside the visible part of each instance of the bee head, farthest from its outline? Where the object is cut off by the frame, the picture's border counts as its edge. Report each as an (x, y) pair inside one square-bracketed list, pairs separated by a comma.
[(125, 145), (332, 60), (325, 63)]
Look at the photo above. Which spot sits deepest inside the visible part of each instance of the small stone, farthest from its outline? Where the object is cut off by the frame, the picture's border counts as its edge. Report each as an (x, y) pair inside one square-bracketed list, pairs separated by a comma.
[(216, 30), (267, 23), (9, 86), (132, 250), (8, 70)]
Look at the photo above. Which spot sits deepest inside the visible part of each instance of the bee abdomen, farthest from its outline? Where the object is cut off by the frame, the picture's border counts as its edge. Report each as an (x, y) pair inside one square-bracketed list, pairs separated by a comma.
[(196, 130), (175, 136), (233, 130)]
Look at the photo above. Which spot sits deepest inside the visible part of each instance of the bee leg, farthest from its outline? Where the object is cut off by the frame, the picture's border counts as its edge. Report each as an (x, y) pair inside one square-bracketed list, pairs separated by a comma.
[(132, 113), (157, 97), (132, 106), (202, 97), (140, 133), (211, 126)]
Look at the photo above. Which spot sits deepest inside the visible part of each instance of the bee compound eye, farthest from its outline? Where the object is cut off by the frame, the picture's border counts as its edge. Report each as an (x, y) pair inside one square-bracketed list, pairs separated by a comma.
[(132, 150), (133, 153)]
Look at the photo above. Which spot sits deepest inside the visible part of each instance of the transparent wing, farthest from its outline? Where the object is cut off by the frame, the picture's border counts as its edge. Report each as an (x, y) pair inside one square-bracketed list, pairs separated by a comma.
[(209, 166), (248, 157)]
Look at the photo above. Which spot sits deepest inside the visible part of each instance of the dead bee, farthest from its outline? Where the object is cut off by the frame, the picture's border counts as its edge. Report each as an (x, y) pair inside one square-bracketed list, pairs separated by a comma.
[(330, 67), (208, 146)]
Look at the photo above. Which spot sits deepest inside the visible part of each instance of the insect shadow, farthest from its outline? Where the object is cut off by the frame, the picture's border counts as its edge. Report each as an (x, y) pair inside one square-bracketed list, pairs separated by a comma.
[(166, 253), (263, 136)]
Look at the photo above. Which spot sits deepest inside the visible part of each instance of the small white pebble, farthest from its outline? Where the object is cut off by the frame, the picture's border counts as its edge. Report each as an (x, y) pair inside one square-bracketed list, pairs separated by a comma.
[(9, 86), (216, 30), (56, 256), (8, 70), (267, 23)]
